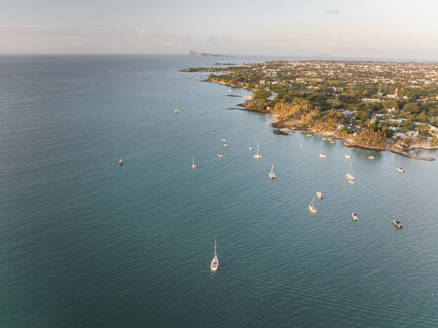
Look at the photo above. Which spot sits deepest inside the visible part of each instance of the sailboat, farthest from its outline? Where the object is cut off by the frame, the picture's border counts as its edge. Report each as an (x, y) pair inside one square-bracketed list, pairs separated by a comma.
[(348, 175), (272, 174), (319, 195), (257, 155), (193, 163), (312, 208), (214, 265)]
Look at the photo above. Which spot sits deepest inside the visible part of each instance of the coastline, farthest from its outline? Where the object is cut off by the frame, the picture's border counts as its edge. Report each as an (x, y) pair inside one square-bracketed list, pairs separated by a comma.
[(347, 142)]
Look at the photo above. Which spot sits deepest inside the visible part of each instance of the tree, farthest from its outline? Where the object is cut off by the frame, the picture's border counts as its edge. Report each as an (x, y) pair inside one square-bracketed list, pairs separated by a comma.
[(411, 108), (422, 117), (362, 115), (389, 104)]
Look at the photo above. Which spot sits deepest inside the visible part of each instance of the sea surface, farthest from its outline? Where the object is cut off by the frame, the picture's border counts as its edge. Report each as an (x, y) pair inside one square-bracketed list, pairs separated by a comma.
[(85, 242)]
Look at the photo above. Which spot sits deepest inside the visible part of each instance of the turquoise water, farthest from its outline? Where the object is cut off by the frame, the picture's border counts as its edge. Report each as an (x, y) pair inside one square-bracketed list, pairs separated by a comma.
[(87, 243)]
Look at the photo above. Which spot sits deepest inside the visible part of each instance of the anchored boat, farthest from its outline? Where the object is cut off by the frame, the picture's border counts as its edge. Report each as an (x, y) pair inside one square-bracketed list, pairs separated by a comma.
[(311, 206), (193, 163), (397, 224), (258, 156), (214, 265), (271, 173), (348, 175)]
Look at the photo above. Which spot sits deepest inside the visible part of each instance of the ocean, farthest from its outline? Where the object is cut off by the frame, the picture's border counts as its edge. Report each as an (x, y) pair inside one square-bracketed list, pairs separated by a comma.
[(85, 242)]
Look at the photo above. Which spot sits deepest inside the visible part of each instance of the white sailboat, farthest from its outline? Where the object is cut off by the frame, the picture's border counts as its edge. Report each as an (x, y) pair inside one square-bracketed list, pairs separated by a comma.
[(193, 163), (348, 175), (258, 156), (214, 265), (311, 206), (271, 173)]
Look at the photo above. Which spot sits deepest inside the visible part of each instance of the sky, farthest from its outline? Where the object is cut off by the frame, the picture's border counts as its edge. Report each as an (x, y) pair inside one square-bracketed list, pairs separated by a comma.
[(384, 29)]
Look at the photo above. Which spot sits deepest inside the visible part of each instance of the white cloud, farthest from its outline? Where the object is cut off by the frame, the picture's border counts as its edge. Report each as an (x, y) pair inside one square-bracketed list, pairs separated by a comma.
[(333, 11)]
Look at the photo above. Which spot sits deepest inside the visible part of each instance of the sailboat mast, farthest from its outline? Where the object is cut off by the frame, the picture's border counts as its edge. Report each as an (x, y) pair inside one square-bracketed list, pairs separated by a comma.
[(215, 247)]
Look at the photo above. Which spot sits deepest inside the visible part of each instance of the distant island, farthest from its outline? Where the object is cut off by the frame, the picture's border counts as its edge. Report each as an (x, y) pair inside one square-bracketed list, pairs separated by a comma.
[(373, 105), (203, 54)]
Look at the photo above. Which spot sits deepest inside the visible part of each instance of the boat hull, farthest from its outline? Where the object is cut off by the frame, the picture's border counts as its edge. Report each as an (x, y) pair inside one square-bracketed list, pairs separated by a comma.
[(214, 265)]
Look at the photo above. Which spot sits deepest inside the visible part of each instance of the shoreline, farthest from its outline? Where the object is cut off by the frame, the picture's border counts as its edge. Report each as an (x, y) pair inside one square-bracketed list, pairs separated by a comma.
[(347, 142)]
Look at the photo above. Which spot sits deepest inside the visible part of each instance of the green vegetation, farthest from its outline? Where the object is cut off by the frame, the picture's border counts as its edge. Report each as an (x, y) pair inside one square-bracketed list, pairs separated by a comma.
[(371, 103)]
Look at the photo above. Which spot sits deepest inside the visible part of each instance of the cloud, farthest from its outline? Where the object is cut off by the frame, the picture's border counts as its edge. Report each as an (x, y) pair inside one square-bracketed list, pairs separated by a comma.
[(9, 27), (333, 11)]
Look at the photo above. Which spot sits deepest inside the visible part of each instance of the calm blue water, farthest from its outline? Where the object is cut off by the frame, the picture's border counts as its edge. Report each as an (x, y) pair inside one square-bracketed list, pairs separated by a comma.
[(86, 243)]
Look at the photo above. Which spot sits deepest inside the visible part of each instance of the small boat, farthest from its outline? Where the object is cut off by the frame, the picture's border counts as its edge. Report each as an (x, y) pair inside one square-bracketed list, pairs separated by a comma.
[(224, 140), (354, 216), (213, 131), (250, 148), (350, 181), (332, 141), (193, 163), (177, 110), (271, 173), (258, 156), (120, 162), (348, 175), (214, 265), (400, 170), (324, 138), (225, 145), (319, 195), (371, 157), (348, 156), (311, 207), (397, 224), (220, 155), (322, 155), (308, 135)]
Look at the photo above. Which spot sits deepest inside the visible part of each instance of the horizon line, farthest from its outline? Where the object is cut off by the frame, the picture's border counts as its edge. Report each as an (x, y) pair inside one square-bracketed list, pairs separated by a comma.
[(297, 57)]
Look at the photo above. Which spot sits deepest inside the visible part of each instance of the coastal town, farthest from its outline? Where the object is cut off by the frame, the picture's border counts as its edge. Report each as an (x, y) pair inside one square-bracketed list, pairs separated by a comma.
[(375, 105)]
